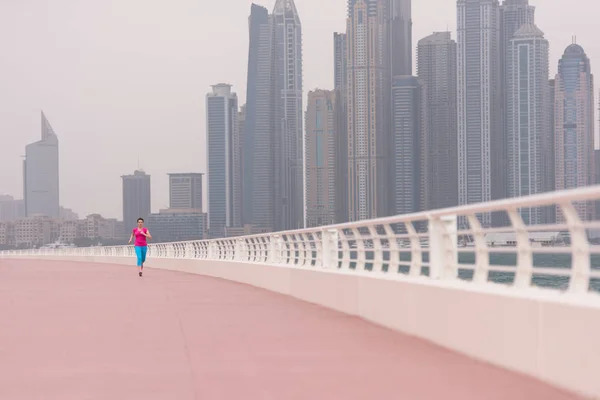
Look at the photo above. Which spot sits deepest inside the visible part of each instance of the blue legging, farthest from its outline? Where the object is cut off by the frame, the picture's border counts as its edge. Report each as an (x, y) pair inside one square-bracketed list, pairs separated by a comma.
[(140, 252)]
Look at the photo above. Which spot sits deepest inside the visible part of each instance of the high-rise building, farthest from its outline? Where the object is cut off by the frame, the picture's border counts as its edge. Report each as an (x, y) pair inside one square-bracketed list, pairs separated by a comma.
[(340, 74), (481, 160), (223, 154), (259, 147), (273, 158), (548, 152), (239, 143), (287, 79), (185, 191), (527, 124), (340, 59), (597, 177), (401, 37), (40, 174), (368, 99), (321, 159), (409, 141), (513, 15), (136, 198), (436, 64), (574, 125)]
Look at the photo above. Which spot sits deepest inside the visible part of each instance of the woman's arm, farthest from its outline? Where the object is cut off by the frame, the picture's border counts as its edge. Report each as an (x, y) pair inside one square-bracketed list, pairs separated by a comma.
[(131, 238), (147, 234)]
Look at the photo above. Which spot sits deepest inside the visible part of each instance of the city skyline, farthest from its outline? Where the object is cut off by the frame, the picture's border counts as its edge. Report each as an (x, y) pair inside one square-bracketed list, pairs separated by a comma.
[(95, 188)]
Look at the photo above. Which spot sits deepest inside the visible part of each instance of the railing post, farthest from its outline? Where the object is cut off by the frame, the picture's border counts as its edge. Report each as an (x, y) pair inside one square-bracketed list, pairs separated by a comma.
[(482, 258), (416, 252), (580, 250), (237, 250), (443, 250), (329, 248), (524, 252), (272, 249), (188, 250), (210, 251)]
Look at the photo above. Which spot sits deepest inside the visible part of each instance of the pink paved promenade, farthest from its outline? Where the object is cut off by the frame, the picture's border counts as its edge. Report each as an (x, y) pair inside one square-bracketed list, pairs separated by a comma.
[(73, 331)]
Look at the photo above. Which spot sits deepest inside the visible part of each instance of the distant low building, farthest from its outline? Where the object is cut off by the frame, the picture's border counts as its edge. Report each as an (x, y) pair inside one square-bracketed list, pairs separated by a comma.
[(39, 230), (97, 227), (7, 234), (536, 239), (66, 214), (244, 231), (11, 209), (35, 231), (70, 230), (174, 225)]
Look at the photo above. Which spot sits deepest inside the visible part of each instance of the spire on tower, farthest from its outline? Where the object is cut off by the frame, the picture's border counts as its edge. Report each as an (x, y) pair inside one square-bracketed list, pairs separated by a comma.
[(47, 131)]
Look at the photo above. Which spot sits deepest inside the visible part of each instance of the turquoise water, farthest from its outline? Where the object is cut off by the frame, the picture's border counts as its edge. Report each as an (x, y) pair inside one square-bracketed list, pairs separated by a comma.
[(558, 261)]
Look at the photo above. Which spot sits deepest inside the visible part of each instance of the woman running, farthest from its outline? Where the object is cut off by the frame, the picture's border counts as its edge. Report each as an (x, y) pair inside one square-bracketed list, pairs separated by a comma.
[(141, 236)]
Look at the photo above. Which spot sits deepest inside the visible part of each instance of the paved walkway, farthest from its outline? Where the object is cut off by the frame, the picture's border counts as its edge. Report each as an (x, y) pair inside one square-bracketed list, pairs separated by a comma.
[(87, 331)]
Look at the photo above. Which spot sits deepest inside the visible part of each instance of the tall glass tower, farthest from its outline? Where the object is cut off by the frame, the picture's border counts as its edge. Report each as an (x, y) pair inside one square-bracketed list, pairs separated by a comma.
[(287, 79), (369, 110), (223, 155), (258, 148), (480, 135), (527, 111), (437, 70), (574, 125), (40, 174)]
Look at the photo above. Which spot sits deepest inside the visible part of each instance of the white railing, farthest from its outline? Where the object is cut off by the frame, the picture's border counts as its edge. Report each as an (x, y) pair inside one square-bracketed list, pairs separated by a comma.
[(425, 244)]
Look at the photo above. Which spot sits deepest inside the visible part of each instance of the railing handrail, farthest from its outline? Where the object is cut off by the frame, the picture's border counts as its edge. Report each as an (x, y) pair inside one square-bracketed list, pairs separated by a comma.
[(379, 245)]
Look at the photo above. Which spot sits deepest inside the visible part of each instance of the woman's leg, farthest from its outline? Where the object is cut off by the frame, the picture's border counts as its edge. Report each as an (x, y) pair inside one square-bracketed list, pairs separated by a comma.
[(138, 253), (144, 252), (140, 257)]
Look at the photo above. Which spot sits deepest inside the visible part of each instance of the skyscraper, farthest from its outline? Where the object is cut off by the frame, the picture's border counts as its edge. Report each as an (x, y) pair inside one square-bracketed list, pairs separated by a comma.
[(513, 15), (340, 74), (401, 37), (527, 123), (574, 125), (259, 144), (368, 99), (549, 145), (437, 70), (239, 144), (223, 155), (340, 59), (185, 191), (409, 141), (137, 202), (321, 159), (41, 176), (287, 74), (481, 141)]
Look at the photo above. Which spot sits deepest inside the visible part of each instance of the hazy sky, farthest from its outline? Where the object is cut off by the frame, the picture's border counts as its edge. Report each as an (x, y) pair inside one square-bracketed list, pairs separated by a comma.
[(122, 79)]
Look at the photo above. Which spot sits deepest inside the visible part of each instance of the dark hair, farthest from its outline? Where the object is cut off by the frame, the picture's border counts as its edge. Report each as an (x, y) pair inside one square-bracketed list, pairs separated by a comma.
[(140, 219)]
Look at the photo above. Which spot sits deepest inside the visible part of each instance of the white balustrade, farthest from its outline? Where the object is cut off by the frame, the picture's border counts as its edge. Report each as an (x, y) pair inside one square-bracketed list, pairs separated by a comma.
[(431, 245)]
